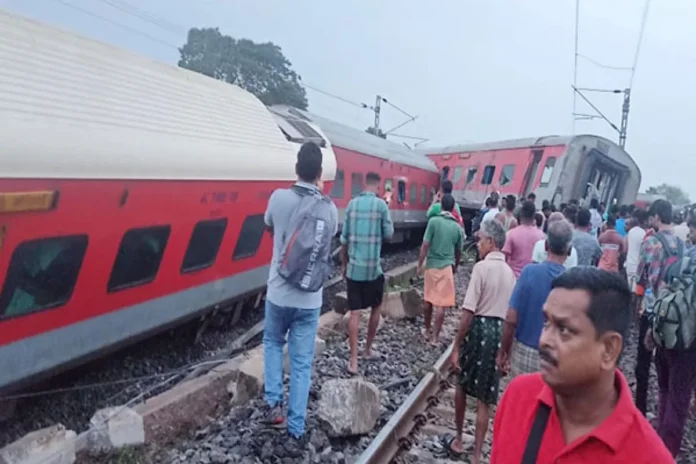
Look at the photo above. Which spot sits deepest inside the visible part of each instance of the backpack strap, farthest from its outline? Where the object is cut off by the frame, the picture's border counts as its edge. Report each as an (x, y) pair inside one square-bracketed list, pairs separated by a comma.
[(669, 252), (531, 451)]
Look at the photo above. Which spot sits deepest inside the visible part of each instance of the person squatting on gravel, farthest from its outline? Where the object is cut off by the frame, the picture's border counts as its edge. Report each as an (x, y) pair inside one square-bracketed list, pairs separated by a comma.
[(525, 319), (442, 246), (290, 310), (478, 338), (366, 224), (579, 408)]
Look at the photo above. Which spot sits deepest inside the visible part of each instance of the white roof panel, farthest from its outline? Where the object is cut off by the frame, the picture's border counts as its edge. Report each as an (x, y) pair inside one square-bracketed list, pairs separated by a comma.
[(545, 141), (72, 107)]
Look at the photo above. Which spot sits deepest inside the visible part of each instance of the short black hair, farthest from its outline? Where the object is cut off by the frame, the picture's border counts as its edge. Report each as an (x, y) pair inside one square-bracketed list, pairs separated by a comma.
[(583, 217), (447, 202), (490, 201), (663, 210), (528, 210), (510, 202), (623, 210), (447, 186), (641, 216), (594, 203), (611, 221), (309, 159), (563, 206), (539, 218), (575, 201), (531, 196), (610, 297), (372, 178), (571, 213)]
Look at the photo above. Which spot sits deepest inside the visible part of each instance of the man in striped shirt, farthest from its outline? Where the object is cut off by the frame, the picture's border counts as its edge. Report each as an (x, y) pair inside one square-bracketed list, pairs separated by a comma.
[(366, 224)]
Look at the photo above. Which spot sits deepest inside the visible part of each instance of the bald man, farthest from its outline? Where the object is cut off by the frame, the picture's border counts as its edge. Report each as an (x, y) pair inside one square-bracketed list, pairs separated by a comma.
[(539, 253)]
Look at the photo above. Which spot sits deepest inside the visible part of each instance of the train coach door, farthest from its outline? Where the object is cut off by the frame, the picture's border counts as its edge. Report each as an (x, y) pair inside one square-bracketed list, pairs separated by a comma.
[(531, 173)]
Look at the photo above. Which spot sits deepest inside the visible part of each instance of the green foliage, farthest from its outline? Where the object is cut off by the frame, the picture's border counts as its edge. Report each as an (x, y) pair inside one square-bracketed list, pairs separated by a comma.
[(672, 193), (260, 68)]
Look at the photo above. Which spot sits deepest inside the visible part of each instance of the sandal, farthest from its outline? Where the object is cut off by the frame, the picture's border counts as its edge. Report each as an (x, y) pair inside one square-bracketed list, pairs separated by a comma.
[(447, 441)]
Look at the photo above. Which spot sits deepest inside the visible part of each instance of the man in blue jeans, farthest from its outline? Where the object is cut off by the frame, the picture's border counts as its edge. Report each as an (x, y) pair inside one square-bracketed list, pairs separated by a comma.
[(290, 311)]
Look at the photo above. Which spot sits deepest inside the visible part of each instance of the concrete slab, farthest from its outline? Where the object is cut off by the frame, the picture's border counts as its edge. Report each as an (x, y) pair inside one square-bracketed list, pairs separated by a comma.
[(113, 428), (52, 445)]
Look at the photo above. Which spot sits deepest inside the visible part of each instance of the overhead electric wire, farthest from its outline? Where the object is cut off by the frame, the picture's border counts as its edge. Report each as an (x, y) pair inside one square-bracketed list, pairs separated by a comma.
[(337, 97), (132, 10), (600, 65), (117, 24), (641, 33)]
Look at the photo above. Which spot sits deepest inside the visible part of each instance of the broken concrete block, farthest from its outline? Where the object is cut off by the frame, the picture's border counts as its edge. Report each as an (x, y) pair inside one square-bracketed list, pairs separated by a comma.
[(403, 304), (401, 276), (113, 428), (319, 347), (349, 406), (52, 445), (249, 382), (328, 324)]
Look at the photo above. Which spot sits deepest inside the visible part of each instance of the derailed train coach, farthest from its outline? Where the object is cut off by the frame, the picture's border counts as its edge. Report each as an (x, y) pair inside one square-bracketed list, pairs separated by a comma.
[(555, 168)]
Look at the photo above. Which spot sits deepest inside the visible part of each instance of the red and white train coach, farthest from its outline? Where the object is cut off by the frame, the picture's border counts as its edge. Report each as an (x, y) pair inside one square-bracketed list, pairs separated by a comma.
[(410, 176), (555, 168), (132, 196)]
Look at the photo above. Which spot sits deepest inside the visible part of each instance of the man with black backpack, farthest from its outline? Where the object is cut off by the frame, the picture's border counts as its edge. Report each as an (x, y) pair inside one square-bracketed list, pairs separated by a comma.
[(668, 303), (303, 222)]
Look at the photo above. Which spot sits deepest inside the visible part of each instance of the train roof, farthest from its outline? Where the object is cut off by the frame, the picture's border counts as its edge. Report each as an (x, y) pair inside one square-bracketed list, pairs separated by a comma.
[(350, 138), (545, 141), (72, 107)]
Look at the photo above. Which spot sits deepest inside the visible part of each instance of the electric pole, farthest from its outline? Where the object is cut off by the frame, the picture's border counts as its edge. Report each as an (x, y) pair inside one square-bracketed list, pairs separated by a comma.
[(377, 109), (624, 117)]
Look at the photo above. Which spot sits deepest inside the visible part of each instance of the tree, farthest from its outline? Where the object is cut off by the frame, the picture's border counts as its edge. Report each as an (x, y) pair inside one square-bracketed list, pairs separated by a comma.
[(672, 193), (379, 133), (260, 68)]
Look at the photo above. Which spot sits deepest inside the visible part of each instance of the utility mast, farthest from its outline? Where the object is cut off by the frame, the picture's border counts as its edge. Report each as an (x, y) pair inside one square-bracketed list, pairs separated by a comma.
[(624, 117), (377, 109)]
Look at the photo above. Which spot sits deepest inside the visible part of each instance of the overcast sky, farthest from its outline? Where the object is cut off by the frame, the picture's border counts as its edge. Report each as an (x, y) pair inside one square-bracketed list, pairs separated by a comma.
[(472, 70)]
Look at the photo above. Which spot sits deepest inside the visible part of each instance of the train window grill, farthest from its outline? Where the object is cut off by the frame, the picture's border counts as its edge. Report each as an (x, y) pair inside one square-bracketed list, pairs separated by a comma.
[(413, 194), (356, 184), (488, 173), (471, 175), (547, 172), (456, 177), (204, 245), (42, 275), (249, 237), (339, 185), (401, 194), (506, 174), (424, 194), (139, 257)]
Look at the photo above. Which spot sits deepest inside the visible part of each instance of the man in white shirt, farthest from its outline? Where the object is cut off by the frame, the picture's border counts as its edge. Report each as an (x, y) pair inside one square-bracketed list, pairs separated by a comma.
[(493, 209), (595, 217), (539, 254), (681, 228), (634, 239)]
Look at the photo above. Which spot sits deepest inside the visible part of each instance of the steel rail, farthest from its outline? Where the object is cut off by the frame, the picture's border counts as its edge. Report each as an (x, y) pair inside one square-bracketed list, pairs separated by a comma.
[(394, 435)]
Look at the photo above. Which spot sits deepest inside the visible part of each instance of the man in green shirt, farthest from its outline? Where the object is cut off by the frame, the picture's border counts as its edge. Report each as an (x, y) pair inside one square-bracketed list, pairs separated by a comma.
[(436, 208), (442, 246)]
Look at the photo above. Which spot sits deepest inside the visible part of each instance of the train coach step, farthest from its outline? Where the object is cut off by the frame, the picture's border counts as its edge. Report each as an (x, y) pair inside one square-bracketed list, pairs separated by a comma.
[(53, 444)]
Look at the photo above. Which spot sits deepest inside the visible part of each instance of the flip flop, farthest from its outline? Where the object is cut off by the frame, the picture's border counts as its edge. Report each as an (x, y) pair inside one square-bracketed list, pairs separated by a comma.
[(447, 441), (351, 373)]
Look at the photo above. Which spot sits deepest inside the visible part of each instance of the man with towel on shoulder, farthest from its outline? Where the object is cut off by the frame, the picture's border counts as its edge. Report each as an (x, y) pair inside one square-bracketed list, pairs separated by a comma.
[(442, 246)]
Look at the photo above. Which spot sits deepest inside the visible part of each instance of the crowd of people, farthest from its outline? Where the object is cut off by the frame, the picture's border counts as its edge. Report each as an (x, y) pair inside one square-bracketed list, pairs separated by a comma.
[(550, 303)]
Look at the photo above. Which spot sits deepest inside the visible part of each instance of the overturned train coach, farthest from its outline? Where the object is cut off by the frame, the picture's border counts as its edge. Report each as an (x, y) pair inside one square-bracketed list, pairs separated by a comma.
[(555, 168), (132, 194)]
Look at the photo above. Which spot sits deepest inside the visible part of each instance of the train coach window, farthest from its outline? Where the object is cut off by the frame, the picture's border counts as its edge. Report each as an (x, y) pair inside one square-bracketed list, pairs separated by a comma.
[(506, 174), (356, 184), (548, 172), (139, 257), (204, 245), (388, 185), (401, 194), (471, 175), (424, 194), (249, 237), (488, 173), (339, 185), (456, 177), (42, 274), (413, 194)]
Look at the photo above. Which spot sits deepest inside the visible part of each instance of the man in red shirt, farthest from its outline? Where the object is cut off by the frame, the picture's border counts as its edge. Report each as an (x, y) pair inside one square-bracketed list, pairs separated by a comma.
[(579, 409)]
